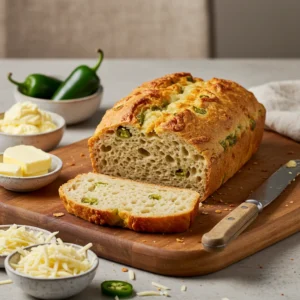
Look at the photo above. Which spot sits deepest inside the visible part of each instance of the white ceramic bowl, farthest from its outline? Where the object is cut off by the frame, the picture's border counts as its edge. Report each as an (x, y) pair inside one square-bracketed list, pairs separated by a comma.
[(28, 228), (73, 111), (28, 184), (45, 141), (51, 288)]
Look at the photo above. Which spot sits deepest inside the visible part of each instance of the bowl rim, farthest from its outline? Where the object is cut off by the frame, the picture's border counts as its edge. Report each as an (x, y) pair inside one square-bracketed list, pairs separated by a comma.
[(39, 100), (57, 169), (11, 269), (57, 116), (26, 226)]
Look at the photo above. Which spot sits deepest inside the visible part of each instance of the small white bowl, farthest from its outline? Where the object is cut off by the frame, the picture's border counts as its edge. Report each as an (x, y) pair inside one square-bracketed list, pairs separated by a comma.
[(28, 228), (45, 141), (73, 111), (29, 184), (51, 288)]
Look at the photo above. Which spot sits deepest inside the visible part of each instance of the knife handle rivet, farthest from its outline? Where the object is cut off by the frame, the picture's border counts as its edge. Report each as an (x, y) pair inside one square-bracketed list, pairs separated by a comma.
[(244, 207), (231, 218)]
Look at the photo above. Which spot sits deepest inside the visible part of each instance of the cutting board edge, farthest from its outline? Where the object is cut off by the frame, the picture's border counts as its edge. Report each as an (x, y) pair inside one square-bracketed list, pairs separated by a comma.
[(161, 256)]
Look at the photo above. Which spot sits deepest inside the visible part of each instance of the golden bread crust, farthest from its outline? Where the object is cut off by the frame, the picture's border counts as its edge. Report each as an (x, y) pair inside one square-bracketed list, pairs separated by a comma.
[(220, 118)]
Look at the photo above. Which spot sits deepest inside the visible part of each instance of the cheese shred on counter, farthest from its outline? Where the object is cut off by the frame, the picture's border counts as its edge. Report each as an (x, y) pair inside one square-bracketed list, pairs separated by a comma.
[(53, 261), (16, 237)]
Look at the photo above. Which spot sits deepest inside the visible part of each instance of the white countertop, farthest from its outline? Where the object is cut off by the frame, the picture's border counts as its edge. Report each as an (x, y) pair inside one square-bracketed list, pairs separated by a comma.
[(270, 274)]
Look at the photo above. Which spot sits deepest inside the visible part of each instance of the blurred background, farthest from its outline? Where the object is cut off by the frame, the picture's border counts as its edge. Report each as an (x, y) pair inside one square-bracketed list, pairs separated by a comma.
[(150, 29)]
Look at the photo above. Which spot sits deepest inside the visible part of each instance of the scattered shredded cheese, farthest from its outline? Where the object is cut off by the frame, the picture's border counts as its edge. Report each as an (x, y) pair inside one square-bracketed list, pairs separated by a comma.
[(183, 288), (53, 261), (153, 293), (17, 237), (291, 164), (158, 285), (131, 275), (8, 281)]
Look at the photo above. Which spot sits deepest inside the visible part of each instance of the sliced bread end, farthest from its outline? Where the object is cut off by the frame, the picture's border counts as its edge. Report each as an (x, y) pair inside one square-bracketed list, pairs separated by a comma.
[(123, 202)]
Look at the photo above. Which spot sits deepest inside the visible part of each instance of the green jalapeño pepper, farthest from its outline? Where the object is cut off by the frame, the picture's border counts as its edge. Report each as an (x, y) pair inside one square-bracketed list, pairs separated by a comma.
[(37, 85), (82, 82), (116, 288)]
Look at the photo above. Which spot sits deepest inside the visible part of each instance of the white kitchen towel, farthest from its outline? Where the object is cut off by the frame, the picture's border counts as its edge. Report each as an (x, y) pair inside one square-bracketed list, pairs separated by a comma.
[(282, 102)]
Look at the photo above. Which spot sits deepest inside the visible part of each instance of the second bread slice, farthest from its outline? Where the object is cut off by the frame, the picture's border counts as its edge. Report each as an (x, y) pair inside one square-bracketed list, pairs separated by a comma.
[(103, 199)]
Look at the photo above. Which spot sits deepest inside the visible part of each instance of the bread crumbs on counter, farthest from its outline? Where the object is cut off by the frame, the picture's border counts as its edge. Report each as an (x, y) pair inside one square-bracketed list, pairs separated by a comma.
[(231, 205), (58, 214), (286, 205), (218, 211), (291, 202), (82, 155), (291, 164), (179, 240), (204, 213), (71, 164), (124, 270), (226, 209)]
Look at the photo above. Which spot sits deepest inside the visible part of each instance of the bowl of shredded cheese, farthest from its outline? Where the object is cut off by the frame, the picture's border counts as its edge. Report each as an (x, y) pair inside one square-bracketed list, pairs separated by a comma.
[(13, 237), (53, 270)]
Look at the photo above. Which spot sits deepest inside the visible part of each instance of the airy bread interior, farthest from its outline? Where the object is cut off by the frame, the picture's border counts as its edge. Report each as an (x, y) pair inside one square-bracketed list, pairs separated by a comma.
[(124, 196), (164, 159)]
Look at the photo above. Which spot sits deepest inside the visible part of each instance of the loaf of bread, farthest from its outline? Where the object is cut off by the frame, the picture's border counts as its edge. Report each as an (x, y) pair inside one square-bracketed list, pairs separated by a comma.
[(139, 206), (181, 131)]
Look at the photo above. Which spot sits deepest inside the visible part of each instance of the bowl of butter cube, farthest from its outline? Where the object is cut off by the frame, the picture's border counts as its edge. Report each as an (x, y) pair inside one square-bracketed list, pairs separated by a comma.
[(25, 168)]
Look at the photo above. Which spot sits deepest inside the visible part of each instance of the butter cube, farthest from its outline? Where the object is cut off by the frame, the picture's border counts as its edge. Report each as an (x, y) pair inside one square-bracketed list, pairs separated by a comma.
[(30, 159), (37, 174), (10, 170)]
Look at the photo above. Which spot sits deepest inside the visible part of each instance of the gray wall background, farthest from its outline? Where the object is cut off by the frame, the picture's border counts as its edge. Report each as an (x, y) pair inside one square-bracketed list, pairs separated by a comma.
[(255, 28)]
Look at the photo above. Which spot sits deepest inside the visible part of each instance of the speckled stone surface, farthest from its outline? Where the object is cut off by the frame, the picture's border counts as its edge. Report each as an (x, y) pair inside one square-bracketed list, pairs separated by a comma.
[(272, 274)]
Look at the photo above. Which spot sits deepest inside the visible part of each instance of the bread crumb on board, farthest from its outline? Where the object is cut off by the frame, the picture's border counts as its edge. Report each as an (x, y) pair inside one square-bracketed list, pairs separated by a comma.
[(179, 240), (291, 164), (218, 211), (124, 270), (58, 214), (82, 155)]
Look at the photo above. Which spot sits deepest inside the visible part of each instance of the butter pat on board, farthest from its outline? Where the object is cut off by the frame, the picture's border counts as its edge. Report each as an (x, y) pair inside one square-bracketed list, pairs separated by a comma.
[(10, 170), (31, 160)]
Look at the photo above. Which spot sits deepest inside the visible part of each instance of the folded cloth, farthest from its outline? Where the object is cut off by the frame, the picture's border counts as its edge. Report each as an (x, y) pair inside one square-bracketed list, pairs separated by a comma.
[(282, 102)]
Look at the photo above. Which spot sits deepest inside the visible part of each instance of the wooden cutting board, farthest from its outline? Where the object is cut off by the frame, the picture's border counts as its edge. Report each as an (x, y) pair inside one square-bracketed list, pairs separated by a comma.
[(169, 254)]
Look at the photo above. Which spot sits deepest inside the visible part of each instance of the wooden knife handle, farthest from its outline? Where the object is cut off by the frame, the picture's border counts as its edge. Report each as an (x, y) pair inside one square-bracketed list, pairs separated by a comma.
[(230, 227)]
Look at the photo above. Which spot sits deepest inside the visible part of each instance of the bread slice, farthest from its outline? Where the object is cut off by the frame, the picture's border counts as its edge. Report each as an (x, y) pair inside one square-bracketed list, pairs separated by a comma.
[(103, 199)]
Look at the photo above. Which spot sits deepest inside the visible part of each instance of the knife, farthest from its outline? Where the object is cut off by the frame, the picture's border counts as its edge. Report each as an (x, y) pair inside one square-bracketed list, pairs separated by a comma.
[(241, 217)]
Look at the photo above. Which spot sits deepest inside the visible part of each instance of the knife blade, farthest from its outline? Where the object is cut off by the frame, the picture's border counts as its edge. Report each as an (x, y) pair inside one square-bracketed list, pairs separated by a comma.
[(241, 217)]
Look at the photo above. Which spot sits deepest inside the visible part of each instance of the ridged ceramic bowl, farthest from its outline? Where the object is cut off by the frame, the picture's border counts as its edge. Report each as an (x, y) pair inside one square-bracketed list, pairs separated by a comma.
[(51, 288), (32, 183), (28, 228), (45, 141), (73, 111)]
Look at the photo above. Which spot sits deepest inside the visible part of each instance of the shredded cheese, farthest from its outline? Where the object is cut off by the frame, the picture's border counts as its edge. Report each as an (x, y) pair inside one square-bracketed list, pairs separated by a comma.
[(131, 275), (53, 261), (16, 237), (8, 281), (183, 288), (158, 285), (150, 293)]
